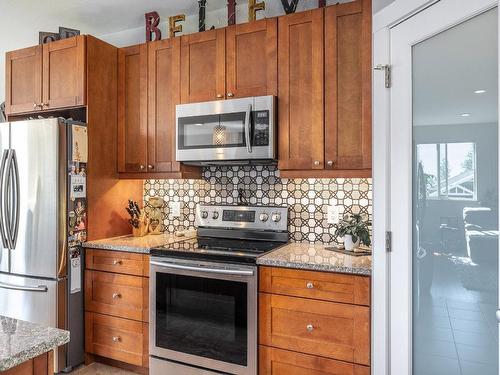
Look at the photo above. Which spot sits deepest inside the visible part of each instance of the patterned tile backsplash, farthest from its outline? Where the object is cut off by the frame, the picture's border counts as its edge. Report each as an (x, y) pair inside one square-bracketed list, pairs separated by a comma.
[(307, 199)]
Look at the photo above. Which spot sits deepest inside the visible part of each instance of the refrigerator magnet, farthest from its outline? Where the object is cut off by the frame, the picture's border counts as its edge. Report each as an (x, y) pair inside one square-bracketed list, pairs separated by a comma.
[(80, 146), (78, 186)]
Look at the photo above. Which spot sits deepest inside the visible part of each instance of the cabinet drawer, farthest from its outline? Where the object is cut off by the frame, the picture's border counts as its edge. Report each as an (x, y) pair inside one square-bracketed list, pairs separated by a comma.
[(117, 261), (118, 295), (328, 329), (274, 361), (316, 285), (121, 339)]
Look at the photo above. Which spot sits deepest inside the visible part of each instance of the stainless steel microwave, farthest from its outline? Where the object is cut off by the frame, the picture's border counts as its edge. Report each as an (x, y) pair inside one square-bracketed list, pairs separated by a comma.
[(236, 131)]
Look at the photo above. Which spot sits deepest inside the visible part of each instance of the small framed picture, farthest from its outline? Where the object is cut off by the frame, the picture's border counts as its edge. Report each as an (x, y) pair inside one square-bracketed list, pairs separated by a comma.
[(46, 37), (65, 32)]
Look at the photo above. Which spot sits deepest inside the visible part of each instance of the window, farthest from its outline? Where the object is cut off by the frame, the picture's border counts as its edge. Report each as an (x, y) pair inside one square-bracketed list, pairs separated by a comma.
[(448, 170)]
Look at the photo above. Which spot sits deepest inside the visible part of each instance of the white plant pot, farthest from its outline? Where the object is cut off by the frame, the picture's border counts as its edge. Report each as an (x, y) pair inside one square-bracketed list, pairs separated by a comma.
[(349, 244)]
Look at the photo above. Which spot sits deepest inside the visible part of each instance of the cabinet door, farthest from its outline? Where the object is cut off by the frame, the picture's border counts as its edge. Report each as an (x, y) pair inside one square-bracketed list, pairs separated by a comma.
[(300, 89), (328, 329), (203, 66), (64, 73), (251, 59), (23, 80), (164, 95), (348, 86), (274, 361), (132, 108)]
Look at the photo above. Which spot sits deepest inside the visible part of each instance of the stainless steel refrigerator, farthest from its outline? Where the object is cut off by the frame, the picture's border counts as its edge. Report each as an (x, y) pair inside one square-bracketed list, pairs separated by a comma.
[(42, 222)]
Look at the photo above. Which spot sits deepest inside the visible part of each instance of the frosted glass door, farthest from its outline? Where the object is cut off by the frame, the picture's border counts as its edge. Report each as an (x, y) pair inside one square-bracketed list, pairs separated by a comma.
[(445, 183)]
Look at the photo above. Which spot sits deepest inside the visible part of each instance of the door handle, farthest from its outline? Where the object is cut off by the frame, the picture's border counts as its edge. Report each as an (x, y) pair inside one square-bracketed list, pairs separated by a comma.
[(3, 228), (222, 271), (16, 198), (9, 199), (38, 288), (247, 128), (497, 314)]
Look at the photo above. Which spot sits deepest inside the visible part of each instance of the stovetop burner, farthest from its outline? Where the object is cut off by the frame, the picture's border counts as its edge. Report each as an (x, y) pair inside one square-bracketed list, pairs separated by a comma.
[(232, 234)]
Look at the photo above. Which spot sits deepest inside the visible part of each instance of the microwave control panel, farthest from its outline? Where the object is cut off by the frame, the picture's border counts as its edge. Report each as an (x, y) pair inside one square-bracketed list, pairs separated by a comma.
[(261, 128)]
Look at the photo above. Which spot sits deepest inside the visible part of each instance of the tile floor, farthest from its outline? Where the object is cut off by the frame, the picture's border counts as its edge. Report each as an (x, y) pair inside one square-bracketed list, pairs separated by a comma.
[(100, 369), (455, 330)]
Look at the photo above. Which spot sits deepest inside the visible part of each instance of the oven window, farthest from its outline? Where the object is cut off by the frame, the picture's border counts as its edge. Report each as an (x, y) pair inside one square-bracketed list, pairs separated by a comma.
[(212, 131), (202, 317)]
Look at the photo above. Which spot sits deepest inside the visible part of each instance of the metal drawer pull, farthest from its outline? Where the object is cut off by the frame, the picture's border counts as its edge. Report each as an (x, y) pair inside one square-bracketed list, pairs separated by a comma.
[(117, 339), (203, 269), (117, 262), (117, 295), (310, 328), (310, 285)]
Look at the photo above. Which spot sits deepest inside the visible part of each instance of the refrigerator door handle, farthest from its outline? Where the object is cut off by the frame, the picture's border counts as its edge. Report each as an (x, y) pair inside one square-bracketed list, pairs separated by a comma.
[(3, 226), (16, 199), (38, 288), (7, 201)]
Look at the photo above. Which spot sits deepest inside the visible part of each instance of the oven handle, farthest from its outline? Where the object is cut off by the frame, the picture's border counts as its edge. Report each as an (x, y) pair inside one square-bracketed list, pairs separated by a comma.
[(203, 269), (247, 128)]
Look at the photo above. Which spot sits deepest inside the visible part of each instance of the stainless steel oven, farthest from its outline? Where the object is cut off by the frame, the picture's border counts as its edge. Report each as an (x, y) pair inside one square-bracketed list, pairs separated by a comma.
[(203, 317), (236, 131)]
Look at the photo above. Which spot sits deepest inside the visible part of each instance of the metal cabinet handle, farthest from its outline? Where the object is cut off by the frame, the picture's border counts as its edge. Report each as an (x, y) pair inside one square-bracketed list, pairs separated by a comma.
[(35, 106), (316, 162), (45, 104), (117, 262), (230, 94), (310, 328), (141, 167), (309, 285), (117, 295), (151, 166), (117, 339), (219, 96), (329, 163)]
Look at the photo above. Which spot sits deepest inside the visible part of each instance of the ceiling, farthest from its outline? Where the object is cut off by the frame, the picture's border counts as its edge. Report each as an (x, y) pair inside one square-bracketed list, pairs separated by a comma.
[(450, 66)]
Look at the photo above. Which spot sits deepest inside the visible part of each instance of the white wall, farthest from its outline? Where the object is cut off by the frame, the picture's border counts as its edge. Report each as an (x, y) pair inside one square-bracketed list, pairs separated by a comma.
[(216, 17)]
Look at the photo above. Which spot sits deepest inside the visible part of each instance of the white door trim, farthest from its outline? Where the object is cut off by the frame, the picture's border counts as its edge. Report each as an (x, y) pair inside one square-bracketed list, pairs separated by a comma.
[(383, 21)]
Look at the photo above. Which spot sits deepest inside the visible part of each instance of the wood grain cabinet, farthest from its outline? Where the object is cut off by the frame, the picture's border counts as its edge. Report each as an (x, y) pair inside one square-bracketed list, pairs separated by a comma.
[(314, 322), (235, 62), (148, 91), (324, 76), (117, 305), (47, 77), (251, 59)]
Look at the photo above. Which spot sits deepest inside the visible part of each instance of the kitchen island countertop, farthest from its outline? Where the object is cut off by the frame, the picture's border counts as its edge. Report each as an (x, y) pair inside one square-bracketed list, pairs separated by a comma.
[(21, 341), (315, 257), (138, 244)]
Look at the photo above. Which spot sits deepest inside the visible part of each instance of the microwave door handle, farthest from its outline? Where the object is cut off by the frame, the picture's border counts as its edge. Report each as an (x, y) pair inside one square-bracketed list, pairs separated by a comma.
[(247, 128)]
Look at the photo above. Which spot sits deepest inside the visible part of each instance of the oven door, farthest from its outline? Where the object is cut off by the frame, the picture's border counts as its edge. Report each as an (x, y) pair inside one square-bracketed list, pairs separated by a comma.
[(204, 314)]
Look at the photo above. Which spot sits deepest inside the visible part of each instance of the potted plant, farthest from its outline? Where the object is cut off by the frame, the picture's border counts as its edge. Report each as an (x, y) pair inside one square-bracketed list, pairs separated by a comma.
[(354, 231)]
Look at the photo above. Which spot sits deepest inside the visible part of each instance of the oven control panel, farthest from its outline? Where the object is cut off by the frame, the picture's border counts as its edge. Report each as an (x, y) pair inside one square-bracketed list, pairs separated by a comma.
[(247, 217)]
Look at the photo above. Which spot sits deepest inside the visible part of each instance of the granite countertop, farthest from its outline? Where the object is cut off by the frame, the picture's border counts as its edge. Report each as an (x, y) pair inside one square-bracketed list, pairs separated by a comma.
[(138, 244), (22, 341), (315, 257)]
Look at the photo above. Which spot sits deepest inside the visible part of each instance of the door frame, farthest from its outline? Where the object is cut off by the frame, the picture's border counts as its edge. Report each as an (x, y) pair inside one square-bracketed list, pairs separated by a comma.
[(383, 21)]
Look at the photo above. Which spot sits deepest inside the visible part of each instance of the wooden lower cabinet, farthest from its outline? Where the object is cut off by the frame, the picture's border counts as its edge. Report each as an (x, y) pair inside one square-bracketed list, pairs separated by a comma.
[(313, 323), (120, 339), (41, 365), (274, 361), (117, 307)]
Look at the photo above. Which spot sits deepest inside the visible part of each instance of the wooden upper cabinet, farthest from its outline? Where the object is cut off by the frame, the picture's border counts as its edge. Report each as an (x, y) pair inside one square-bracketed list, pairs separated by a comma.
[(163, 96), (203, 66), (348, 86), (132, 108), (64, 73), (251, 59), (23, 80), (301, 90)]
